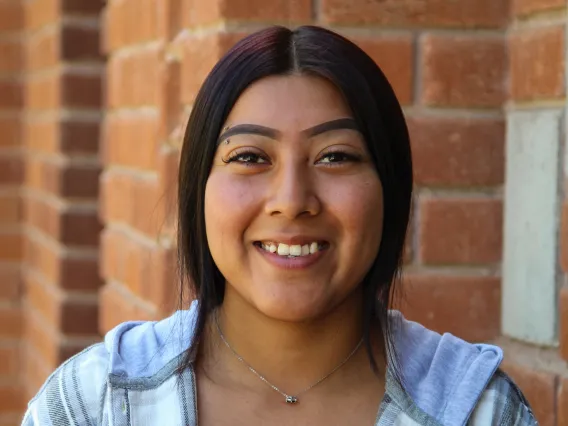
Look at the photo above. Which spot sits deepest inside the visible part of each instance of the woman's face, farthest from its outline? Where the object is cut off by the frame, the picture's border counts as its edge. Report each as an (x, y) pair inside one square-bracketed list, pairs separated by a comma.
[(293, 204)]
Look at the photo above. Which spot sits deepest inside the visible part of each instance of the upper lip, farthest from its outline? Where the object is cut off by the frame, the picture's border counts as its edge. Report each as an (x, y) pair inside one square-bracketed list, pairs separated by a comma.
[(293, 239)]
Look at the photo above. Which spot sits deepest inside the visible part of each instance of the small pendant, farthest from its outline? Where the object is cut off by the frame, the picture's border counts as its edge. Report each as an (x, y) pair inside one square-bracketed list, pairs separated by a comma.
[(291, 399)]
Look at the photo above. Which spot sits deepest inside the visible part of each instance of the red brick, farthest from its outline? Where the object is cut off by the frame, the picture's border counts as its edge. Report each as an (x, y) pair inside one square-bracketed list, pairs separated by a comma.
[(78, 274), (169, 99), (11, 399), (79, 228), (163, 270), (137, 267), (68, 136), (11, 54), (65, 315), (43, 340), (114, 26), (462, 71), (10, 360), (64, 89), (71, 226), (78, 90), (11, 288), (61, 269), (112, 254), (147, 207), (460, 231), (131, 140), (79, 181), (563, 231), (538, 387), (79, 137), (117, 306), (10, 209), (10, 322), (134, 78), (41, 12), (563, 322), (169, 18), (10, 131), (457, 152), (137, 202), (11, 170), (80, 43), (198, 13), (66, 180), (430, 13), (527, 7), (36, 371), (562, 404), (168, 167), (395, 56), (11, 95), (11, 16), (121, 29), (147, 271), (10, 245), (529, 50), (199, 57), (43, 50), (466, 306), (42, 92), (41, 135), (81, 7), (115, 199)]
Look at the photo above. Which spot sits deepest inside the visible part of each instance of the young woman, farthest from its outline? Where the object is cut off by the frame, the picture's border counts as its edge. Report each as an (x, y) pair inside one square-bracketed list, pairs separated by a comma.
[(294, 197)]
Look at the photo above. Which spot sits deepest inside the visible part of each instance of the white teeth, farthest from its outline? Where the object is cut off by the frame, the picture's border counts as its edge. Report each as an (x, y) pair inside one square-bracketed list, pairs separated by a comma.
[(291, 250), (295, 250), (313, 248)]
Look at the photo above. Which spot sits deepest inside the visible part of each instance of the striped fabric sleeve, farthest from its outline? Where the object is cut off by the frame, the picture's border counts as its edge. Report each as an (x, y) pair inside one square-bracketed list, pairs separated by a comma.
[(73, 394)]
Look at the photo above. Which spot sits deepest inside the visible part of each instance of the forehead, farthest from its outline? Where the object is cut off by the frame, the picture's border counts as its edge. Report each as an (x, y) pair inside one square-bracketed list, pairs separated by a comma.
[(289, 103)]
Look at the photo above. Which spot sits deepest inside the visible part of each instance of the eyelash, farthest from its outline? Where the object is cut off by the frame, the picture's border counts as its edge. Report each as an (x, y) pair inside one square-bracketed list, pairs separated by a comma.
[(238, 158)]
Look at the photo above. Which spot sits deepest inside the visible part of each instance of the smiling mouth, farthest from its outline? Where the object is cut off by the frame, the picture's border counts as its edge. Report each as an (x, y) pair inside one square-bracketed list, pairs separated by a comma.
[(293, 250)]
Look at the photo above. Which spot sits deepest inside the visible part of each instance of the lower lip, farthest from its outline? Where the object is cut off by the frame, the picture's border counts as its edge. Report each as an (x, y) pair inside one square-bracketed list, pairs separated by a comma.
[(285, 262)]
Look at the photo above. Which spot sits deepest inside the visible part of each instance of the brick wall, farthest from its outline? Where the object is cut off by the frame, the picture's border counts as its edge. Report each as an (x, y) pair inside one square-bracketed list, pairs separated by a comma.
[(11, 175), (60, 141), (463, 71)]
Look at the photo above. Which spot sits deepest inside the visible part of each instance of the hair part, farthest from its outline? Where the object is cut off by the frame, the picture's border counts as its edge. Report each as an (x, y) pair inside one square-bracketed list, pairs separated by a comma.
[(314, 51)]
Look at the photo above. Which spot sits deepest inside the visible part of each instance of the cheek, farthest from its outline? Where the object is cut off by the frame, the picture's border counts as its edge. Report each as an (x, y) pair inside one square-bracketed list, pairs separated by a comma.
[(358, 207), (229, 208)]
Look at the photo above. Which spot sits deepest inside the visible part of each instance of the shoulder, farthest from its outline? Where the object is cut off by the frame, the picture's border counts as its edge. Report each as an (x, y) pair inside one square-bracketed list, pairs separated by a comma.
[(502, 403), (73, 394)]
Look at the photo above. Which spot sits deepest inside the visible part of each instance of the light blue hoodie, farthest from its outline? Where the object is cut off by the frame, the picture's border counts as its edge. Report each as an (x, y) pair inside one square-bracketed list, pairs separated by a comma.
[(131, 379)]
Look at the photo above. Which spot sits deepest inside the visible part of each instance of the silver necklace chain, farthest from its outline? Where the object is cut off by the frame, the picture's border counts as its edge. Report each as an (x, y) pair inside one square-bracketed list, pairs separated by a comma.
[(290, 399)]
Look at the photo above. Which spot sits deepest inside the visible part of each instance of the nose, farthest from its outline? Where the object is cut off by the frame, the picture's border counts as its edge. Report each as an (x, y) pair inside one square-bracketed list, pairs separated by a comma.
[(292, 193)]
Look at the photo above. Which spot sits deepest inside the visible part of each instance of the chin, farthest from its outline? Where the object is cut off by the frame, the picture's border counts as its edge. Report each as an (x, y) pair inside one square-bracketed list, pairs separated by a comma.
[(290, 309)]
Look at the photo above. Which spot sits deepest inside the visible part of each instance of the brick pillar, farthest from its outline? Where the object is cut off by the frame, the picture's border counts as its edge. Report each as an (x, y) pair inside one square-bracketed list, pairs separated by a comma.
[(61, 130), (536, 114), (11, 175)]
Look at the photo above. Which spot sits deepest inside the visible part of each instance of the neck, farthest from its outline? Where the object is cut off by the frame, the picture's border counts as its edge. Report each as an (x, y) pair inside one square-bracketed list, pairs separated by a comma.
[(292, 356)]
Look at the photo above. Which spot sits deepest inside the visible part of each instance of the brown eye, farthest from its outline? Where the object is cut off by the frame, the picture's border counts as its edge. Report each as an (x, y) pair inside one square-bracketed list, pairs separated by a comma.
[(247, 158), (337, 157)]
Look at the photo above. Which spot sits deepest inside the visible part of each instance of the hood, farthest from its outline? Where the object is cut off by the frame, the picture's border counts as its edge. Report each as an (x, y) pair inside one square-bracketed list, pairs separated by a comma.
[(140, 349), (443, 375)]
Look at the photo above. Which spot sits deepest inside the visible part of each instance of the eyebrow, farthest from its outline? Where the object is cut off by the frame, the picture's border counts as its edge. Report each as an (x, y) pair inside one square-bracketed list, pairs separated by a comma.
[(255, 129)]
